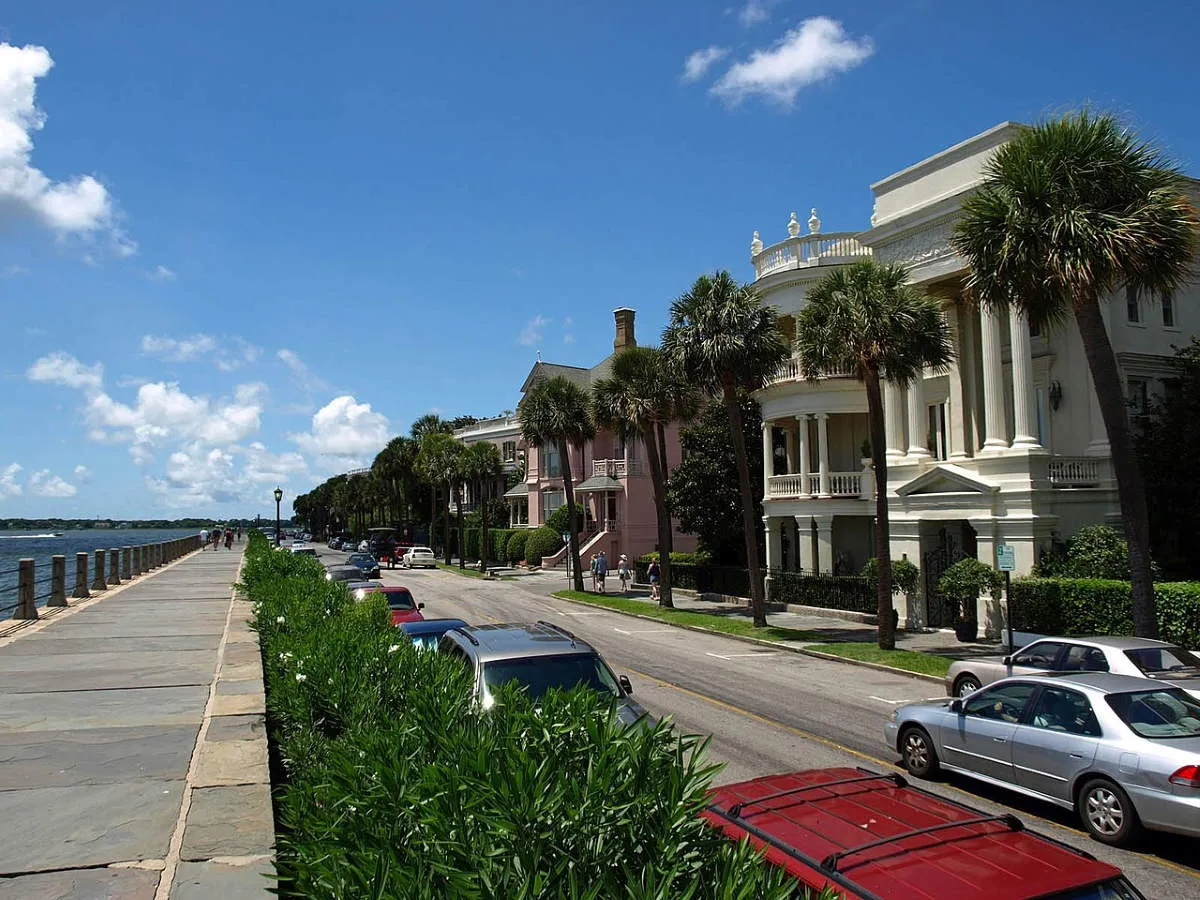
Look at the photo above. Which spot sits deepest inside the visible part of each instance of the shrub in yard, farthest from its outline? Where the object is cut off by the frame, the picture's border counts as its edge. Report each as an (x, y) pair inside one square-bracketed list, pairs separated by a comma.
[(541, 542), (963, 582), (498, 539), (557, 520), (698, 558), (1091, 606), (905, 575), (516, 545), (396, 786), (848, 592)]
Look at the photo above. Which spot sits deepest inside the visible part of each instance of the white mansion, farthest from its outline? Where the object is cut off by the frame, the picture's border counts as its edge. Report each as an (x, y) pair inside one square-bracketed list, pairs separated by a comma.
[(1008, 446)]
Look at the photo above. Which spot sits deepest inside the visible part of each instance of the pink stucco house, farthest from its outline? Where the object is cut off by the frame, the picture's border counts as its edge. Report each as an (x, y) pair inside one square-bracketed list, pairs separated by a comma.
[(611, 477)]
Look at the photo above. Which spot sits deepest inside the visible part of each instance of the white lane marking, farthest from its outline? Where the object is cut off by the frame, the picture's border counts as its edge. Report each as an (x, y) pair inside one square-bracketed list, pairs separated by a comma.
[(582, 613), (642, 630), (741, 655), (890, 702)]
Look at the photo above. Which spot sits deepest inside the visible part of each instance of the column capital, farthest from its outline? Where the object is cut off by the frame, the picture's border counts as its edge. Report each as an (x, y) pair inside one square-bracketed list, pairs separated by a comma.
[(821, 416), (802, 417)]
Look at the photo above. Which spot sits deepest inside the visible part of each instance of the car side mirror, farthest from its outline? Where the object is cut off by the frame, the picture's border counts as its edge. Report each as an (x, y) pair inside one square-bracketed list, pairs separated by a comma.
[(1008, 661), (956, 706), (625, 684), (420, 606)]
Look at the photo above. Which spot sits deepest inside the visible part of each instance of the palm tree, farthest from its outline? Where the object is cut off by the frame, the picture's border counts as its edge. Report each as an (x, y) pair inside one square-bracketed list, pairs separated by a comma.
[(555, 413), (639, 398), (430, 423), (438, 462), (482, 466), (1069, 211), (866, 319), (725, 341)]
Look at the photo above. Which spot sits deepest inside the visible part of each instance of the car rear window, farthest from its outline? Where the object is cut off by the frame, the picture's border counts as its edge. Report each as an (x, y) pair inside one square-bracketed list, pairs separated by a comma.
[(422, 551), (1115, 889), (1155, 660), (1158, 714), (400, 599), (539, 674)]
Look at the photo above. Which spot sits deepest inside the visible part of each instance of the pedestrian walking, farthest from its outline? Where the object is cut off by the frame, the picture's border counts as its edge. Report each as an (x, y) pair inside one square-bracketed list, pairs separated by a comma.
[(623, 572), (593, 567), (228, 539), (216, 538), (601, 570), (652, 573), (203, 539)]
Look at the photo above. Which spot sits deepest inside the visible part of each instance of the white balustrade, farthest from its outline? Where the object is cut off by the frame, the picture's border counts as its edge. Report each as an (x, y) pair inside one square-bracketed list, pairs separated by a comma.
[(616, 468), (785, 485), (809, 250), (841, 484), (1078, 471), (789, 370), (845, 484)]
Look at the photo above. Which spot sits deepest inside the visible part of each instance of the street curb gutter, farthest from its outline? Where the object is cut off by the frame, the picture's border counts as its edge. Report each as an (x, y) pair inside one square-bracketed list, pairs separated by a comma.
[(816, 654)]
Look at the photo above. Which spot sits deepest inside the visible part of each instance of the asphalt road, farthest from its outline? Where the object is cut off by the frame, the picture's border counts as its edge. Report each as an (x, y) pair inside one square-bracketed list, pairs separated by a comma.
[(774, 711)]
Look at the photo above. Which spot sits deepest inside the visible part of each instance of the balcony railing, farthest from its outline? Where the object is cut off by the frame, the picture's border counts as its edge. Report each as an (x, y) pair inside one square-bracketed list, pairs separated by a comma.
[(616, 468), (841, 484), (789, 370), (1079, 471), (809, 250)]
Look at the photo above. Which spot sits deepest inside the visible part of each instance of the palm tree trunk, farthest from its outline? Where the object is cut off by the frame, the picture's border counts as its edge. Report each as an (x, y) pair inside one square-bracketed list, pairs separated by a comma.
[(658, 485), (483, 522), (462, 535), (883, 544), (573, 536), (749, 526), (446, 522), (1130, 488), (666, 474), (432, 513)]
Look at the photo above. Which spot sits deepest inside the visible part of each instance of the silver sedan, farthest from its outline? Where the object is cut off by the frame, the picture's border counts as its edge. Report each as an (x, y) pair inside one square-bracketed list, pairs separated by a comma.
[(1139, 657), (1122, 752)]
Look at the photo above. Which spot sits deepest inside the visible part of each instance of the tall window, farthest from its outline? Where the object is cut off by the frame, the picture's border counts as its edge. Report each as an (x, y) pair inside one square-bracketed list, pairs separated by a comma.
[(936, 438), (551, 500), (1133, 307), (1139, 395), (1168, 310), (508, 451), (552, 461)]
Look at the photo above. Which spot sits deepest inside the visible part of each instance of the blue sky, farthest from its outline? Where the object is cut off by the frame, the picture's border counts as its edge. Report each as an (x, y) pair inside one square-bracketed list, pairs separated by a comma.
[(243, 243)]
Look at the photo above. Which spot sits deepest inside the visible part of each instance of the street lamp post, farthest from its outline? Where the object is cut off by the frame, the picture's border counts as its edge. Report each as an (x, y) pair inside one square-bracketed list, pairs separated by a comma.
[(278, 500)]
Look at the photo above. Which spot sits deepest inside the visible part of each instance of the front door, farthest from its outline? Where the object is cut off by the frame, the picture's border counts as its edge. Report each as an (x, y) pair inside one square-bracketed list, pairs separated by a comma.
[(981, 738), (952, 544), (1058, 743)]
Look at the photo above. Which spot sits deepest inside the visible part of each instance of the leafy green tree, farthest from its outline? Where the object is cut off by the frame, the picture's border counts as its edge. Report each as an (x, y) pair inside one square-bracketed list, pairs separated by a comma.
[(703, 492), (555, 413), (641, 396), (865, 318), (724, 341), (438, 460), (1069, 211), (482, 466)]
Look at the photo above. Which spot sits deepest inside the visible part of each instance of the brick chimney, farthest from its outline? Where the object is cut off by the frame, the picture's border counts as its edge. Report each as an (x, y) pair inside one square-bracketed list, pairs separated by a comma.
[(625, 337)]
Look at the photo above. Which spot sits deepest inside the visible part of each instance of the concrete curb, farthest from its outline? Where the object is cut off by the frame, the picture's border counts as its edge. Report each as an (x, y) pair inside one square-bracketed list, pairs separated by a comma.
[(762, 642)]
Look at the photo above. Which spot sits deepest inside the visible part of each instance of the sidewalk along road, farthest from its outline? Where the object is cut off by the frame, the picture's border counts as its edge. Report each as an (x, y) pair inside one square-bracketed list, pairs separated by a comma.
[(770, 710)]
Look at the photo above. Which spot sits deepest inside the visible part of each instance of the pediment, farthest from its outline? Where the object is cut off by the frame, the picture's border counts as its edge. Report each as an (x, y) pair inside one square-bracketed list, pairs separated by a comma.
[(947, 479)]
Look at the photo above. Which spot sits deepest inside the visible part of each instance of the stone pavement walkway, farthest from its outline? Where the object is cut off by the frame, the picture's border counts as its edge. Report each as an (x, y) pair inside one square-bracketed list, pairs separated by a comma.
[(133, 755)]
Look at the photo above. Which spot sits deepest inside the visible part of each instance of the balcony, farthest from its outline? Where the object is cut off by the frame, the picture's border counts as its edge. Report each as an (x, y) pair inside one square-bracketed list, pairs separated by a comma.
[(858, 485), (810, 250), (1080, 472), (616, 468), (790, 371)]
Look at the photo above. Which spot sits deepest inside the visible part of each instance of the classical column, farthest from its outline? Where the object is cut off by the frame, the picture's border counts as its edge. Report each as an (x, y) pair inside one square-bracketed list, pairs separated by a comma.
[(1024, 405), (824, 544), (918, 420), (823, 454), (996, 434), (803, 452), (774, 546), (804, 544), (893, 420), (768, 451), (956, 414)]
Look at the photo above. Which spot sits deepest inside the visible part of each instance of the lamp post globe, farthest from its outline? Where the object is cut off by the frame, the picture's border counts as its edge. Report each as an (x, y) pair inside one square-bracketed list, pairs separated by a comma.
[(278, 500)]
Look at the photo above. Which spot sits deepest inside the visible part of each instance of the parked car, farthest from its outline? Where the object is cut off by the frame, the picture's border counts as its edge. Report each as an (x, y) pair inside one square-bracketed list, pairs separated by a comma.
[(867, 835), (427, 632), (415, 557), (304, 550), (1122, 752), (537, 657), (1139, 657), (366, 562), (343, 573)]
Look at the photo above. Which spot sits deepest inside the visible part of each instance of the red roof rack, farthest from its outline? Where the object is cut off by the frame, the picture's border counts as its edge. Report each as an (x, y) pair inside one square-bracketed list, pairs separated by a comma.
[(831, 861)]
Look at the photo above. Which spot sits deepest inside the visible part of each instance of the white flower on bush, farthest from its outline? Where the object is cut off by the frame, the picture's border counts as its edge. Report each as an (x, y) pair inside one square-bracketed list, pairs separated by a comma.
[(300, 676), (352, 809), (279, 620), (393, 648)]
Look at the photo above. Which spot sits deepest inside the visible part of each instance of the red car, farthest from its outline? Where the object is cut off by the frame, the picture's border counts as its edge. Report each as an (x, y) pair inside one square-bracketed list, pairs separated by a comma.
[(399, 600), (874, 837)]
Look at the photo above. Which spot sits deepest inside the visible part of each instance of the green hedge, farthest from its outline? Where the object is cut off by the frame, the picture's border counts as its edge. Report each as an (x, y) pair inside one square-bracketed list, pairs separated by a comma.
[(542, 541), (516, 545), (849, 592), (393, 785), (699, 558), (1083, 606), (497, 542)]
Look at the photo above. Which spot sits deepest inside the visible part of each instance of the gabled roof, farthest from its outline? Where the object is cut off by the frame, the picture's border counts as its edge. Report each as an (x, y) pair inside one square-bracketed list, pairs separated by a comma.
[(946, 479), (541, 370), (598, 483)]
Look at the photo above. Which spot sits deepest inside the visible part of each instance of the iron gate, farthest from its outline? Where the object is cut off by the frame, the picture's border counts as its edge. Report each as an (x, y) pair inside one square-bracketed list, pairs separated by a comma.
[(934, 564)]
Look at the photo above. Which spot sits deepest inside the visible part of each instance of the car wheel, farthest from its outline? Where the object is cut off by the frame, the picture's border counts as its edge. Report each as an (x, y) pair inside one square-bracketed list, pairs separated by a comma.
[(1107, 812), (966, 684), (917, 749)]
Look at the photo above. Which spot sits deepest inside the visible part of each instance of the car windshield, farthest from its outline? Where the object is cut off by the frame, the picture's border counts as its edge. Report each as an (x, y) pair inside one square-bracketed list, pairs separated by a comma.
[(400, 599), (1154, 660), (1114, 889), (426, 641), (362, 559), (1161, 714), (541, 673)]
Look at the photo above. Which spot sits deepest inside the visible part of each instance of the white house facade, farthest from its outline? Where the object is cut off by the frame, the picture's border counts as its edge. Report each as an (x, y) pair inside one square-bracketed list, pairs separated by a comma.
[(1006, 447)]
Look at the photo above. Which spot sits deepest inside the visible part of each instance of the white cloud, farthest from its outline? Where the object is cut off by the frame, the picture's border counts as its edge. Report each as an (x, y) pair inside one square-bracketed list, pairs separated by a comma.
[(83, 473), (13, 270), (816, 49), (178, 350), (8, 481), (756, 12), (345, 432), (80, 205), (304, 375), (700, 62), (62, 368), (532, 332), (43, 484), (161, 273)]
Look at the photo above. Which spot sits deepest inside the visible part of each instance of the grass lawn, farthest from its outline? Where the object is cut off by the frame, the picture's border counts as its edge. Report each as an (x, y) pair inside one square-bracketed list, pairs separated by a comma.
[(711, 621), (471, 573), (909, 660)]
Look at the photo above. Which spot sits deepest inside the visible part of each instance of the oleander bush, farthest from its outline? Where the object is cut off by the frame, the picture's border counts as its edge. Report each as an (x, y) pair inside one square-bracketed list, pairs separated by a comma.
[(393, 786), (516, 545), (1092, 606)]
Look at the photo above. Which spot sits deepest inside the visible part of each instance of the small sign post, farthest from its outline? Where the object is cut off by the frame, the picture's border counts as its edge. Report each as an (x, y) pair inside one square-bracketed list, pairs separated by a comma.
[(566, 539), (1006, 562)]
